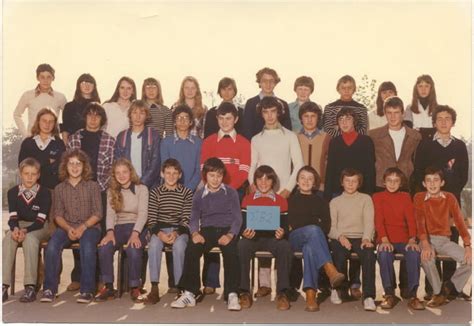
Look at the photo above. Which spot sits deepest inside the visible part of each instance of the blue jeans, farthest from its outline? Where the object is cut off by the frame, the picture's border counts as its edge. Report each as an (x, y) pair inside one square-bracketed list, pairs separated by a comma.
[(386, 259), (311, 240), (88, 251), (155, 248)]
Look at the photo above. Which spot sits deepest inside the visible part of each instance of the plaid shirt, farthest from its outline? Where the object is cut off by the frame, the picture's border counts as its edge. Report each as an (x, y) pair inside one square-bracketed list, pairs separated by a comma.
[(104, 159)]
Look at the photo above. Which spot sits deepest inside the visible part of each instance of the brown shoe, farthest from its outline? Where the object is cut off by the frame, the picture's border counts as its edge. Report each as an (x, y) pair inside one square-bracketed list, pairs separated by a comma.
[(389, 302), (208, 290), (263, 291), (415, 304), (356, 293), (335, 278), (437, 300), (153, 297), (74, 286), (311, 303), (282, 302), (246, 300), (136, 296)]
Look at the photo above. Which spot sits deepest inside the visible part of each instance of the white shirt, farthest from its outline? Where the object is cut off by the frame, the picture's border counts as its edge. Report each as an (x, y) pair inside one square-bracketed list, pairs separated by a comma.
[(136, 152), (397, 137), (117, 119), (39, 142)]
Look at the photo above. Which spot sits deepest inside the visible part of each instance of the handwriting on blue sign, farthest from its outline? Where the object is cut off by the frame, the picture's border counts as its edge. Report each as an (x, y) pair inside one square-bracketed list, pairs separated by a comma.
[(264, 218)]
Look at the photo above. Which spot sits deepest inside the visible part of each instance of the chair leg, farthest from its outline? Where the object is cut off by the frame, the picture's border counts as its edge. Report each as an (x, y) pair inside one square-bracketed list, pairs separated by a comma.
[(12, 286), (252, 267), (119, 273)]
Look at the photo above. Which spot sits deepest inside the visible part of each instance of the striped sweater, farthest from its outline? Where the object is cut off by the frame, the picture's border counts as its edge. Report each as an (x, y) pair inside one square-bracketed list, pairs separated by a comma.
[(331, 110), (169, 208)]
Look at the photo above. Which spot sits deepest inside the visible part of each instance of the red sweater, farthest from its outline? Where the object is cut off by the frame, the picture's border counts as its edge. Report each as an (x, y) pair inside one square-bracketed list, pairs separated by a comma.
[(235, 155), (394, 216), (433, 216), (265, 201)]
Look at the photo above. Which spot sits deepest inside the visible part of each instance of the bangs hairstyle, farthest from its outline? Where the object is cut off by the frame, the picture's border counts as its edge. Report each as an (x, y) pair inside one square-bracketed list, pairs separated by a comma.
[(86, 174), (139, 105), (346, 79), (35, 129), (317, 178), (186, 109), (346, 111), (115, 188), (310, 107), (385, 86), (393, 102), (88, 78), (444, 108), (432, 102), (226, 82), (432, 170), (350, 172), (268, 71), (265, 170), (29, 161), (95, 108), (116, 94), (45, 67), (213, 164), (198, 108), (304, 81), (226, 107), (269, 102), (152, 81), (399, 173), (171, 163)]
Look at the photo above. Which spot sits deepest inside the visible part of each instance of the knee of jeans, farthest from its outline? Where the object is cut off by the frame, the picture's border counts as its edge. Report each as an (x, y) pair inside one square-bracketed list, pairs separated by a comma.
[(134, 252), (180, 245), (106, 249), (90, 247), (385, 255), (31, 242), (412, 255)]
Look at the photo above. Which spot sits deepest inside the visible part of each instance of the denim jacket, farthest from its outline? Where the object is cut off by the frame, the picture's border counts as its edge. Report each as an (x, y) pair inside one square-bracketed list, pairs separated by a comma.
[(150, 153)]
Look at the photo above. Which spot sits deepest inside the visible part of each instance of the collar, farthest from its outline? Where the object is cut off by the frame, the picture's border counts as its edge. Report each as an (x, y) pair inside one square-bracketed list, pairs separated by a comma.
[(131, 188), (261, 96), (28, 194), (270, 195), (443, 142), (428, 195), (39, 142), (312, 134), (232, 134), (176, 137), (207, 191), (38, 91), (279, 126), (164, 188)]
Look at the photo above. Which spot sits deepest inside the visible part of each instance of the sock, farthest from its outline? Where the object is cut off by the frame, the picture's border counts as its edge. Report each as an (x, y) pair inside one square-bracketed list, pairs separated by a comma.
[(154, 284)]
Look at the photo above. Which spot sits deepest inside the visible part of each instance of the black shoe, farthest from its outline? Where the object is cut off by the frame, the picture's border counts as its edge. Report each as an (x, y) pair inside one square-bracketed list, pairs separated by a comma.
[(5, 292), (292, 294), (449, 290), (105, 294), (464, 296), (29, 295), (85, 298)]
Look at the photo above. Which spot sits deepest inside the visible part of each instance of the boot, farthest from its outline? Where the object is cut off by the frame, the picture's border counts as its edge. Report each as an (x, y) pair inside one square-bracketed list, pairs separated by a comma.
[(335, 278), (311, 303)]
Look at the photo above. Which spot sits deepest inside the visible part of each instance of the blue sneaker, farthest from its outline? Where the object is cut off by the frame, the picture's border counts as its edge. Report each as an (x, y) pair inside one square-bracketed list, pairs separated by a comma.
[(48, 296)]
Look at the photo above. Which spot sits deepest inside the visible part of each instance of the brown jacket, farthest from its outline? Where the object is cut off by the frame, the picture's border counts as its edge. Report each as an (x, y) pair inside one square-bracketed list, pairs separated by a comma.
[(315, 153), (385, 152)]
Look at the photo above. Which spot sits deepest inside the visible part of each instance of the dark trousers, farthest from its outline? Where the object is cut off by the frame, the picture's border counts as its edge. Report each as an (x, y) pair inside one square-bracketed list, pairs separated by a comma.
[(190, 279), (367, 259), (280, 249)]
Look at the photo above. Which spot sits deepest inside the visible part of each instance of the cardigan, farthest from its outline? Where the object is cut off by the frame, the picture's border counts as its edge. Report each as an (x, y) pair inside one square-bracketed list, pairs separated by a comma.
[(315, 152)]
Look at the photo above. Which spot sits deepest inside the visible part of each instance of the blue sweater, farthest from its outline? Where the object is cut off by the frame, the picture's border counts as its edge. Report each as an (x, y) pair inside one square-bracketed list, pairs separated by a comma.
[(217, 209), (188, 153)]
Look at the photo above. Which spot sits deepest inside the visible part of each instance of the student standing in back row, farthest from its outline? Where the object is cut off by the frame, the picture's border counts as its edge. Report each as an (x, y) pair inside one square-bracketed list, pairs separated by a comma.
[(303, 87), (161, 117)]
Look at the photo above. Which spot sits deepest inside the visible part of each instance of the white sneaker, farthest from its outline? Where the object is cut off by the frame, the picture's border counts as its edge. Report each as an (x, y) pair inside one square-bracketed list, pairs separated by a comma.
[(335, 299), (369, 304), (233, 302), (185, 300)]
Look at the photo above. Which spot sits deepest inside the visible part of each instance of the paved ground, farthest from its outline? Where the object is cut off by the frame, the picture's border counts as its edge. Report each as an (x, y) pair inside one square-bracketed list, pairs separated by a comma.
[(213, 309)]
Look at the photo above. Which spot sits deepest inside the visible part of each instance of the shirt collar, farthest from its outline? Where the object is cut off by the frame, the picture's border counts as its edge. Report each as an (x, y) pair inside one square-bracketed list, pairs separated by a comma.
[(443, 142), (279, 126), (190, 137), (428, 195), (38, 91), (207, 191), (232, 134), (270, 195), (131, 188), (310, 135), (39, 142), (28, 194)]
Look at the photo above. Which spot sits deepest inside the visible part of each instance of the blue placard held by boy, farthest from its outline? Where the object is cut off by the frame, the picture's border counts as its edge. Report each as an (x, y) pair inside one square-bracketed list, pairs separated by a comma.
[(264, 218)]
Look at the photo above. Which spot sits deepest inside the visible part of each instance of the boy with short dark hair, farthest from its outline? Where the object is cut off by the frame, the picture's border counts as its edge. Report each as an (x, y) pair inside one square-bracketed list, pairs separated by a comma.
[(40, 97), (215, 221), (433, 210)]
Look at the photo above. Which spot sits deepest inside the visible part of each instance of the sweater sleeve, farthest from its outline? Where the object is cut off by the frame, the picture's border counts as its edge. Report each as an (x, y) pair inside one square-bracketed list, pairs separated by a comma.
[(420, 216), (19, 110), (368, 219), (462, 167), (379, 218), (325, 217), (111, 217), (142, 215), (253, 160), (44, 198), (410, 216), (334, 233), (23, 150), (458, 217), (184, 222), (12, 208), (195, 213), (296, 160)]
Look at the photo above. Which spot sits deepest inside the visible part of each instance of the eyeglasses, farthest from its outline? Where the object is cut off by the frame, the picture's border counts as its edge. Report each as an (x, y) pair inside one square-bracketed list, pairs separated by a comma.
[(345, 118), (185, 119)]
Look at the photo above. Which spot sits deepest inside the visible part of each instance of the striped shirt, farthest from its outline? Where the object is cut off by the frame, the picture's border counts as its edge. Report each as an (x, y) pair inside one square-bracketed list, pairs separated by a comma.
[(332, 109), (76, 204), (161, 120), (169, 208)]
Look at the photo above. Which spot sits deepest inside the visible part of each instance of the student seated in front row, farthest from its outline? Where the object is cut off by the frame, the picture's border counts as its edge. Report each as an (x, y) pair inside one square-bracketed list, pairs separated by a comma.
[(215, 221), (77, 209), (396, 233), (265, 180), (433, 210), (352, 230), (28, 206)]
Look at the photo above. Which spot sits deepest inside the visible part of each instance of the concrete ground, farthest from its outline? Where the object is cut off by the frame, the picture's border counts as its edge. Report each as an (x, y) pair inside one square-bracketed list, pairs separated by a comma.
[(213, 309)]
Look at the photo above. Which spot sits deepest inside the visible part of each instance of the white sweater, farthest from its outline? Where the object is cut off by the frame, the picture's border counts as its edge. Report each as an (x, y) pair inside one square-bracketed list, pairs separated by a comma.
[(278, 148), (117, 119)]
